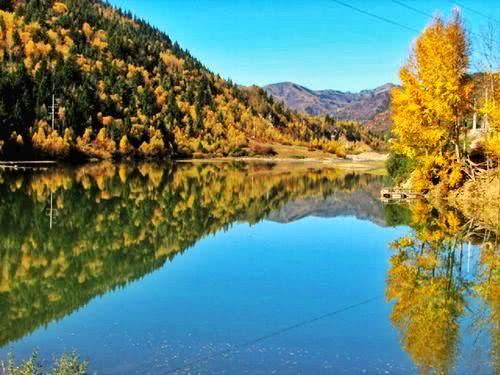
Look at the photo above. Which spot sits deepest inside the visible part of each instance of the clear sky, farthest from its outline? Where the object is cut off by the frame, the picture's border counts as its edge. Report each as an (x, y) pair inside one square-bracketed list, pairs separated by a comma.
[(316, 43)]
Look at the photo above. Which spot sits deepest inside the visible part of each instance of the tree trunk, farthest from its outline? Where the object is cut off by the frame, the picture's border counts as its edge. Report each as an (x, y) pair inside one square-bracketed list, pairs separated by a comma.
[(457, 140)]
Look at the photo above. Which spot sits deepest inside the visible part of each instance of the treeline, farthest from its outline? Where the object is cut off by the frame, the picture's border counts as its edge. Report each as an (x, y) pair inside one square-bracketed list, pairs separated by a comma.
[(123, 88), (446, 120)]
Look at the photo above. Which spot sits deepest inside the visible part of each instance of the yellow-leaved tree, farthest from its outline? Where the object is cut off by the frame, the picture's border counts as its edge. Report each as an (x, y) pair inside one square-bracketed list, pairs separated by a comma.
[(488, 91), (490, 109), (429, 109)]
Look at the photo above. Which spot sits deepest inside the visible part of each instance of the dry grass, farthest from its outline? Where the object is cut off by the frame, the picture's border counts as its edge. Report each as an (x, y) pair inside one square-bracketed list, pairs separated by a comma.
[(480, 200), (297, 152), (262, 149)]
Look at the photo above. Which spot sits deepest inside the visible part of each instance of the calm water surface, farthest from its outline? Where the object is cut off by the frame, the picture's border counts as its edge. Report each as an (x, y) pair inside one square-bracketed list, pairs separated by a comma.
[(239, 268)]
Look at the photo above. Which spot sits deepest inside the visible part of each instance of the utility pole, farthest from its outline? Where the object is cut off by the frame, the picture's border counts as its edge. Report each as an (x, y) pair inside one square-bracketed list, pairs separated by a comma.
[(53, 121), (53, 108)]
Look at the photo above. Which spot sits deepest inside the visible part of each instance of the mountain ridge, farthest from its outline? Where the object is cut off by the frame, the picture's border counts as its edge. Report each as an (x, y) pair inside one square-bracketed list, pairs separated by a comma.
[(369, 106)]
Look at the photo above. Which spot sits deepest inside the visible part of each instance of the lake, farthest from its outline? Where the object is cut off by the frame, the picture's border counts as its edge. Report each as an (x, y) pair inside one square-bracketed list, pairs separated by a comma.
[(234, 268)]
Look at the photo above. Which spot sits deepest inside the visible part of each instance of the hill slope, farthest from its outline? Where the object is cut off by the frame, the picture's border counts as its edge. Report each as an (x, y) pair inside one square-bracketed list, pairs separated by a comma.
[(368, 106), (123, 88)]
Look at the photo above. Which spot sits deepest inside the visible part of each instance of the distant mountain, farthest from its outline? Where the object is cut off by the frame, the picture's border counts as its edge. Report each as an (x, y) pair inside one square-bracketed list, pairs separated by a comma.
[(370, 107)]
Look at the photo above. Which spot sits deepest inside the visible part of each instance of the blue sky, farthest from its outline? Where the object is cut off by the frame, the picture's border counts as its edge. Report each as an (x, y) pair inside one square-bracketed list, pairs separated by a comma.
[(316, 43)]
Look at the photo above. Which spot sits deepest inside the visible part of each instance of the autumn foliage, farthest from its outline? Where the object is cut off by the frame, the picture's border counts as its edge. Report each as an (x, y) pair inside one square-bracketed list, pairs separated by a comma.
[(430, 108), (438, 107), (126, 90)]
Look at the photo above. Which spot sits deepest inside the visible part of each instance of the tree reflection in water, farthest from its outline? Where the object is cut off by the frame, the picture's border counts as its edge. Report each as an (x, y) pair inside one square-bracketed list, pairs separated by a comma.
[(432, 290), (112, 224)]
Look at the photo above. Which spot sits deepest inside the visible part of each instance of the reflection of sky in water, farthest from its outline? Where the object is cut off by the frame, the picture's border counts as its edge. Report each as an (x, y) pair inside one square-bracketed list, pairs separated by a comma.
[(307, 296), (240, 285), (244, 284), (470, 261)]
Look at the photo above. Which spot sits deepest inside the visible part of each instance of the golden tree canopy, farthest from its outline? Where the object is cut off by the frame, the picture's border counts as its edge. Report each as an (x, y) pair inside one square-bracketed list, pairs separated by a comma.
[(429, 108)]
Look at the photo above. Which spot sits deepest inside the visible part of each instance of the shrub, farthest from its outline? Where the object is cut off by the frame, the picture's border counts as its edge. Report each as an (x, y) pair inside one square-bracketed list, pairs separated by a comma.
[(262, 150), (124, 147), (492, 145), (103, 147), (68, 364), (51, 143), (155, 146), (334, 147), (399, 167)]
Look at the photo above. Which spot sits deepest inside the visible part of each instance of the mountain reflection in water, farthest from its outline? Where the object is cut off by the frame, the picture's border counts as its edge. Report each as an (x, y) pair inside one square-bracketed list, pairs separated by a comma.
[(115, 223), (71, 234)]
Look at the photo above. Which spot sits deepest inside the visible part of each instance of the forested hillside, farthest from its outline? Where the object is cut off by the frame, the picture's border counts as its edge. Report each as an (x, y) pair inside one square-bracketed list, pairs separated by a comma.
[(123, 88)]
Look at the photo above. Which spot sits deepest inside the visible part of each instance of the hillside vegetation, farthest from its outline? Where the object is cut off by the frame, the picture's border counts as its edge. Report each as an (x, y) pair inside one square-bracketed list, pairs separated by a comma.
[(123, 88)]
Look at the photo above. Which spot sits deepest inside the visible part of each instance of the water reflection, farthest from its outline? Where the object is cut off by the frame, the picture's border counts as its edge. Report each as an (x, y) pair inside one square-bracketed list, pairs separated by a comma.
[(69, 235), (433, 285)]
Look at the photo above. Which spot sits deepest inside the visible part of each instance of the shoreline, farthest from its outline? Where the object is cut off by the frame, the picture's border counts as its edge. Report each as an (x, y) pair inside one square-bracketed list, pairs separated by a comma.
[(352, 164), (371, 162), (369, 158)]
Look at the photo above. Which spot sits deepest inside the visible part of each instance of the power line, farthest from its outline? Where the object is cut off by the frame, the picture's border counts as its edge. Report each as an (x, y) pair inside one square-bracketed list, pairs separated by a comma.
[(412, 8), (474, 11), (269, 335), (419, 11), (373, 15)]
